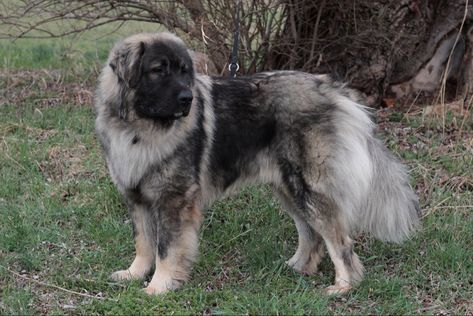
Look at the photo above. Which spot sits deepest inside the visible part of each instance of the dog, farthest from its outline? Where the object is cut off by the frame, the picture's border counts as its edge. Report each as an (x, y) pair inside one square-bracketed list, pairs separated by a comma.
[(175, 141)]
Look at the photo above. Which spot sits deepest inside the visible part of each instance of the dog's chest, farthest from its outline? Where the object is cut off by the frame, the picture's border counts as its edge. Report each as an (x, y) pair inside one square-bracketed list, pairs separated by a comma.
[(129, 159), (131, 155)]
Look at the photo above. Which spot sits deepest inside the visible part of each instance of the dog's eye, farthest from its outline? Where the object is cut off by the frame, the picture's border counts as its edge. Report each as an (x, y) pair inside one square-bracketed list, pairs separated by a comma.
[(184, 69), (157, 70)]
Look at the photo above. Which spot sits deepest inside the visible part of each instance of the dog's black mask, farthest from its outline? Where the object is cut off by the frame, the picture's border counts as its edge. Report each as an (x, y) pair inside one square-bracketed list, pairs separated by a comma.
[(162, 76)]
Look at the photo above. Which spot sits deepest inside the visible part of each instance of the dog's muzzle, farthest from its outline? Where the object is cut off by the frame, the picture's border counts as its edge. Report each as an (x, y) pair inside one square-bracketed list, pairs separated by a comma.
[(184, 100)]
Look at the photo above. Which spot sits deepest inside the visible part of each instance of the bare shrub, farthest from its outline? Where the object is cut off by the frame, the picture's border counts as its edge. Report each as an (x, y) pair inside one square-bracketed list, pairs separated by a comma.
[(372, 44)]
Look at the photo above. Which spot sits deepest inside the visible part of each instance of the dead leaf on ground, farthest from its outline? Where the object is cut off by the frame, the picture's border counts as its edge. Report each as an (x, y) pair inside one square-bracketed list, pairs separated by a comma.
[(389, 102)]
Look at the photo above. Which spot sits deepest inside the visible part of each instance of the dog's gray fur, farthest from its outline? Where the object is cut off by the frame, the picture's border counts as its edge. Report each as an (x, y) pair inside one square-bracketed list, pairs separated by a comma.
[(305, 135)]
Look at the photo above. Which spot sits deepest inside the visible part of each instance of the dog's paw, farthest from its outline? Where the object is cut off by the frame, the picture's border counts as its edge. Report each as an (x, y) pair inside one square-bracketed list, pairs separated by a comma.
[(306, 267), (123, 275), (308, 270), (155, 290), (297, 262), (161, 284), (337, 289), (293, 261)]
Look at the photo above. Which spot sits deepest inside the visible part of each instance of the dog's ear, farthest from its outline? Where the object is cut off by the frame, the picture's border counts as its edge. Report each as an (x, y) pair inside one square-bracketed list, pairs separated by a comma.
[(126, 62)]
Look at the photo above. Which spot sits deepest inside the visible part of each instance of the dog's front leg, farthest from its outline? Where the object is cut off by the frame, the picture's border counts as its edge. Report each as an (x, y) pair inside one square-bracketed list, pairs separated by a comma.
[(145, 245), (177, 248)]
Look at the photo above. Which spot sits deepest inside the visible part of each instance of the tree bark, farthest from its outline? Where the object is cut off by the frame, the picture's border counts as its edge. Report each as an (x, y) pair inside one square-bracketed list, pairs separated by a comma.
[(374, 44)]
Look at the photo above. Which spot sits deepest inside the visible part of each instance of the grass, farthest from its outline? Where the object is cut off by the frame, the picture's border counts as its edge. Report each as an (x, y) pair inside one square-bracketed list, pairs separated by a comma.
[(64, 228), (77, 50)]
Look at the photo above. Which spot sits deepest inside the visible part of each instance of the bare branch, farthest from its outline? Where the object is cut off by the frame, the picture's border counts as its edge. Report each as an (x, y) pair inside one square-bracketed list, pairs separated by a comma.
[(370, 43)]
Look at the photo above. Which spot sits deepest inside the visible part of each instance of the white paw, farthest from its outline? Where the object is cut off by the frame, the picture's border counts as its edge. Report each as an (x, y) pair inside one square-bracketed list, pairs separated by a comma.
[(296, 262), (302, 266), (161, 285), (291, 262), (155, 290), (337, 289), (123, 275)]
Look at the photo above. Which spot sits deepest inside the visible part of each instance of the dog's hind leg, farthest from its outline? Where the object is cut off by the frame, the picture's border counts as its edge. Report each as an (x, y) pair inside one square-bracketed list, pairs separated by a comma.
[(323, 214), (310, 249), (145, 245)]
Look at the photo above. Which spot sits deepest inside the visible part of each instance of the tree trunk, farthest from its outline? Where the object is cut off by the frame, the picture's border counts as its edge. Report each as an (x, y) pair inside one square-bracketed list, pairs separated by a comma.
[(378, 46)]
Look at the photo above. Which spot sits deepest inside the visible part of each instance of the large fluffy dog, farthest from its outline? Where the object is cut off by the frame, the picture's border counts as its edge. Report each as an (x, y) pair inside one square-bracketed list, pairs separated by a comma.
[(175, 141)]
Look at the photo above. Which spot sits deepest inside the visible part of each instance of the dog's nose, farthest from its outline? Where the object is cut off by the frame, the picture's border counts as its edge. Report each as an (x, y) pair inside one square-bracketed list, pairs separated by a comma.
[(184, 97)]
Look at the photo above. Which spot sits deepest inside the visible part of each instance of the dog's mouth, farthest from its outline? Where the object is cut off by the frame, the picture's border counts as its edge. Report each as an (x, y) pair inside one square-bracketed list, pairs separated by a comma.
[(156, 115), (180, 114), (173, 117)]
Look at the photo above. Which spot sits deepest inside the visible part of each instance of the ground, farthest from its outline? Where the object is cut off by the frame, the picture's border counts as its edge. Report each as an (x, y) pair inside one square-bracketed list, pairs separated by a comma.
[(64, 228)]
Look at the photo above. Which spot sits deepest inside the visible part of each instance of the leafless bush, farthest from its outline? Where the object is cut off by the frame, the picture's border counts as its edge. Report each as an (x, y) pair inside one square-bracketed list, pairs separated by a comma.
[(209, 22), (370, 43)]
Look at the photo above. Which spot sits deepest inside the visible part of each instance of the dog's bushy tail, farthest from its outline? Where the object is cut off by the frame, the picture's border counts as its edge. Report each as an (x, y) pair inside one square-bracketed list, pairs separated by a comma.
[(370, 184), (391, 211)]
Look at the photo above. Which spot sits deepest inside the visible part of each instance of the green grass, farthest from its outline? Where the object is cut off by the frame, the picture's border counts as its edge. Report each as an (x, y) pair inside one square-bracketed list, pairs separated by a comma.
[(63, 225), (76, 50)]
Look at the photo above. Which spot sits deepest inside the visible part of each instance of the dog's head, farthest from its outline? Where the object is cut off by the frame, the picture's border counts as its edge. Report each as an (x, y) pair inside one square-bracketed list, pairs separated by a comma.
[(158, 70)]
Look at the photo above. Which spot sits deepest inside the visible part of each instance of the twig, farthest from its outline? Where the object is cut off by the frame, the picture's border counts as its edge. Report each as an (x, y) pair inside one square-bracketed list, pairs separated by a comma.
[(406, 116), (16, 162), (467, 111), (445, 74), (55, 286), (316, 29), (455, 207), (437, 206)]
